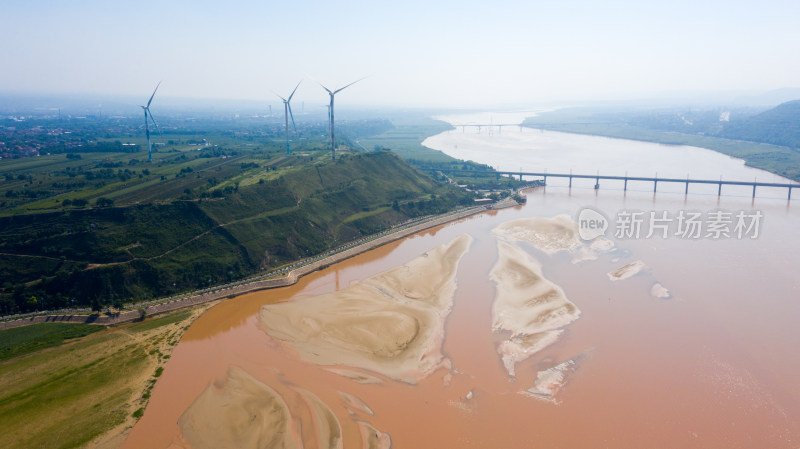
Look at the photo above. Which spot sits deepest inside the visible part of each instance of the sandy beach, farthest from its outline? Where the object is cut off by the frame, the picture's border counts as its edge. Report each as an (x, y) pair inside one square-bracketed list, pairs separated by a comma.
[(329, 430), (659, 291), (550, 381), (626, 271), (372, 438), (241, 413), (527, 305), (549, 235), (391, 323)]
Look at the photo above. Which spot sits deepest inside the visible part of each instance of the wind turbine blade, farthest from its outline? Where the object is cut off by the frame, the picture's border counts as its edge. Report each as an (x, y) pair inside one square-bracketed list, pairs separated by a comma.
[(154, 94), (291, 115), (284, 100), (317, 81), (151, 117), (345, 87), (295, 90)]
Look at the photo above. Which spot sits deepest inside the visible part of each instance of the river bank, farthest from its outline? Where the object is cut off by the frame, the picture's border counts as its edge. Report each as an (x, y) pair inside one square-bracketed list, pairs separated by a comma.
[(689, 357), (780, 160), (88, 392), (558, 151), (289, 278)]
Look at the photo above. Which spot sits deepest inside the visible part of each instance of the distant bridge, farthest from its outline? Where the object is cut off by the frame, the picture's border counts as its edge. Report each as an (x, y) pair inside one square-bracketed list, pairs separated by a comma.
[(625, 179), (480, 126)]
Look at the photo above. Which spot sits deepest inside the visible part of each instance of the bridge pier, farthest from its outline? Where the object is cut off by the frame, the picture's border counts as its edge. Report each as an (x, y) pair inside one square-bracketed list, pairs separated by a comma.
[(597, 177)]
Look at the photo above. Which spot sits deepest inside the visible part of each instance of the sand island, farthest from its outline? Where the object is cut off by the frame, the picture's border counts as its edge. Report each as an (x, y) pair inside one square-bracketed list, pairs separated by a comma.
[(241, 413), (549, 235), (527, 305), (391, 323)]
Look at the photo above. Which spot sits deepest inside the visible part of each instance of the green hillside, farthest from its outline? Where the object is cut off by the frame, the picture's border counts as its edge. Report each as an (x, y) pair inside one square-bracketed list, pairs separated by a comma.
[(106, 255), (778, 126)]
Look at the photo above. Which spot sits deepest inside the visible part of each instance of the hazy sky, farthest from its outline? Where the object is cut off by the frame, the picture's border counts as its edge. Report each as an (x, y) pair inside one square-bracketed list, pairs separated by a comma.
[(449, 53)]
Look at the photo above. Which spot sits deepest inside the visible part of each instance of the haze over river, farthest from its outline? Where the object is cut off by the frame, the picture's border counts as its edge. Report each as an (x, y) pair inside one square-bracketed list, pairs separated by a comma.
[(669, 341), (533, 150)]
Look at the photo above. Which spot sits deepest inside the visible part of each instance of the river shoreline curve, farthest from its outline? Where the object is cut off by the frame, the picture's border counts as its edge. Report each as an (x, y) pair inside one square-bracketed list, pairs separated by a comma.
[(227, 292)]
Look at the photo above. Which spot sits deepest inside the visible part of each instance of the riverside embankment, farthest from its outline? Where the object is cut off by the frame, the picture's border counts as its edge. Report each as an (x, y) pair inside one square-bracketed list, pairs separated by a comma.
[(281, 278)]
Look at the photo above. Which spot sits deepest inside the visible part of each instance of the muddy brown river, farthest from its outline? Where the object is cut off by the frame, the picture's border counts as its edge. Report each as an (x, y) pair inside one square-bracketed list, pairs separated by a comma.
[(693, 347)]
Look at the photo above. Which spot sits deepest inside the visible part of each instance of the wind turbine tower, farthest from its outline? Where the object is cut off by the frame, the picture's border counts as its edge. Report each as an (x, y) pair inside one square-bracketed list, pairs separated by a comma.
[(330, 114), (147, 124), (328, 110), (287, 112)]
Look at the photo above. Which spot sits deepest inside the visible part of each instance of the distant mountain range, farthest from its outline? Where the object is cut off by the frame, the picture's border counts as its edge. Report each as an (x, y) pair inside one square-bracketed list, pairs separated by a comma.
[(778, 126), (768, 139), (769, 98)]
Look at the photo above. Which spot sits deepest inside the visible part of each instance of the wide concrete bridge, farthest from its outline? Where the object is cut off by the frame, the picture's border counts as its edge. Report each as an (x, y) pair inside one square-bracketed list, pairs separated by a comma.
[(597, 177)]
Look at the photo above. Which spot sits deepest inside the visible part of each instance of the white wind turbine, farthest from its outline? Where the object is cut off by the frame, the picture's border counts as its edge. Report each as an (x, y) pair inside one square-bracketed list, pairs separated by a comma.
[(287, 111), (147, 124)]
